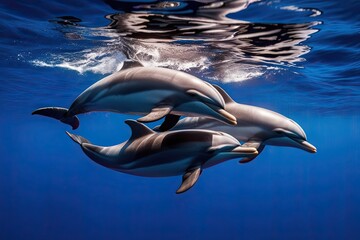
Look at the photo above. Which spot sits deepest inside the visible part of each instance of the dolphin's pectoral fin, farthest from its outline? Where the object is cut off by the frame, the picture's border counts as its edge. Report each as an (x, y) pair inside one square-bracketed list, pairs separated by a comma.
[(258, 145), (247, 159), (156, 114), (189, 179), (59, 114), (170, 122)]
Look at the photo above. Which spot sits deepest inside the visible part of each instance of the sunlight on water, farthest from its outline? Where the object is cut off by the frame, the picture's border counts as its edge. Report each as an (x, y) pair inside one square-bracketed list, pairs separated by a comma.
[(101, 61), (172, 34), (286, 49)]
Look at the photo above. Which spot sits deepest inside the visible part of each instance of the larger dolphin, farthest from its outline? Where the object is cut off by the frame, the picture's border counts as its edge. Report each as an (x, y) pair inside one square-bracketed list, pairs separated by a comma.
[(256, 127), (151, 154), (151, 91)]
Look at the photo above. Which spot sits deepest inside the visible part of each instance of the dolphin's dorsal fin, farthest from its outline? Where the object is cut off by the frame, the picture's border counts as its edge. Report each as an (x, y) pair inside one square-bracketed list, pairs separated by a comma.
[(130, 64), (224, 94), (138, 129), (189, 179)]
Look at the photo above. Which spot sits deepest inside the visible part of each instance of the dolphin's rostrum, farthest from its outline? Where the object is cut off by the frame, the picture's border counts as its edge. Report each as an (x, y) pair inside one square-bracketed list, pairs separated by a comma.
[(152, 154), (151, 92)]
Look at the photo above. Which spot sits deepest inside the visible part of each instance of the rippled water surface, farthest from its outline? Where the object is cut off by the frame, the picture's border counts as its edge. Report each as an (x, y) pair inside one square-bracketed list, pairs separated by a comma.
[(300, 58)]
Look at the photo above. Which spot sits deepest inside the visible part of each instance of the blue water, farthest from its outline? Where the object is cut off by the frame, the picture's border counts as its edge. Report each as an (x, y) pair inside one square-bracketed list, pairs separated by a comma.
[(299, 58)]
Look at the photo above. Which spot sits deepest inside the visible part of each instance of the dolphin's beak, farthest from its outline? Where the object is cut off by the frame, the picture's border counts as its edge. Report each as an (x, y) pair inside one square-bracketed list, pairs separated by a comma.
[(217, 106), (305, 145), (223, 115), (228, 116), (245, 150)]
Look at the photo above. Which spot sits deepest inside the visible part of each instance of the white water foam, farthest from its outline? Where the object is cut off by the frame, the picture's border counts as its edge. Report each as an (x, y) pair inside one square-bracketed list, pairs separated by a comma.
[(197, 59), (101, 61), (315, 12), (240, 75)]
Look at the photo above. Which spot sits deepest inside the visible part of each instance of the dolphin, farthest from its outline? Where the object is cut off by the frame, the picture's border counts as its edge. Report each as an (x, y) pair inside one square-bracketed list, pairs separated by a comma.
[(256, 127), (161, 154), (151, 92)]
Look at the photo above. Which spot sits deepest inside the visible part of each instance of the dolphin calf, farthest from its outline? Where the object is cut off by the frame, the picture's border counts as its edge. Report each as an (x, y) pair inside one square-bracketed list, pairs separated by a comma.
[(256, 127), (161, 154), (151, 92)]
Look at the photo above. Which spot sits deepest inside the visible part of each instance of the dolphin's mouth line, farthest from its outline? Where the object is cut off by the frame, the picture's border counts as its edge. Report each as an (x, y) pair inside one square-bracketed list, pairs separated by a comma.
[(226, 116), (305, 145)]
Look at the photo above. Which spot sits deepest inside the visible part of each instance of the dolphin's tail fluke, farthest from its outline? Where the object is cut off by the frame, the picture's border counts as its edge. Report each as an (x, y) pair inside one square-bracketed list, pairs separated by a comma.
[(59, 114), (78, 139)]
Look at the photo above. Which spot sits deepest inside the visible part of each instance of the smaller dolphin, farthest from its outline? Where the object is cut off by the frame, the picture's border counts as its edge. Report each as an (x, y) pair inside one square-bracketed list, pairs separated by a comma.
[(151, 154), (256, 127), (151, 91)]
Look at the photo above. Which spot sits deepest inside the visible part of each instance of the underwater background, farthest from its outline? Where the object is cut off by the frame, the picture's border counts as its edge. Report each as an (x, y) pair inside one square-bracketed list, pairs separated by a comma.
[(298, 58)]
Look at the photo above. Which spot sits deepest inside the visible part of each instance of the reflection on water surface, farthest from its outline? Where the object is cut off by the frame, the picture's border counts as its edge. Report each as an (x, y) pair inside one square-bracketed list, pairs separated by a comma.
[(198, 36)]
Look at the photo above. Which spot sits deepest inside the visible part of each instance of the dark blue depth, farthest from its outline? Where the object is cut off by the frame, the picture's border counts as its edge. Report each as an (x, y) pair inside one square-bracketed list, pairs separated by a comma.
[(50, 51)]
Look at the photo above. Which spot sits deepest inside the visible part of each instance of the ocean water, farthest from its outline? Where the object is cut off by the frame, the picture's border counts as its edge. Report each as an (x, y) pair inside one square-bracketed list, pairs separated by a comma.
[(299, 58)]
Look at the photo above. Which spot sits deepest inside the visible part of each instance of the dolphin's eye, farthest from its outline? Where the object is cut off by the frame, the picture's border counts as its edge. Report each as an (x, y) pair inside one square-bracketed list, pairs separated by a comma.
[(193, 93), (279, 131)]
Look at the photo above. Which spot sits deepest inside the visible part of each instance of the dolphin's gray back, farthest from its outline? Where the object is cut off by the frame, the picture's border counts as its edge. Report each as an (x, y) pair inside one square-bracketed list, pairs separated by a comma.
[(141, 79), (126, 81)]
